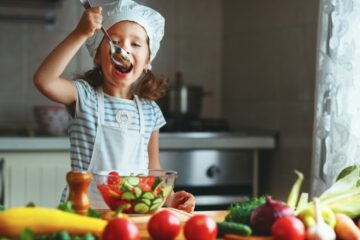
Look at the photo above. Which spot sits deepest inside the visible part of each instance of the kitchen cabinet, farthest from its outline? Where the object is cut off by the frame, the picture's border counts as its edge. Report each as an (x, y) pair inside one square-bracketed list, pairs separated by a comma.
[(35, 168), (37, 176)]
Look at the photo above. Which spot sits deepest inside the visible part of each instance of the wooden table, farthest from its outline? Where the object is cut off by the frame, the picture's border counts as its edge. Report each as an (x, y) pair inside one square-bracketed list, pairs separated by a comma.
[(142, 221)]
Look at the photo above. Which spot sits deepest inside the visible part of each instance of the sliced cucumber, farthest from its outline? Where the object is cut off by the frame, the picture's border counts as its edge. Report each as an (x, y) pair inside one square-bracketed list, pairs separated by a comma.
[(133, 180), (146, 201), (127, 196), (158, 200), (157, 182), (155, 207), (148, 195), (166, 191), (137, 191), (128, 186), (141, 208)]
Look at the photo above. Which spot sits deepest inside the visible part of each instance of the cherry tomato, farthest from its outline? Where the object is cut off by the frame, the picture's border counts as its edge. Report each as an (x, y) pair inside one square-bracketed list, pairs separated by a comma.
[(200, 227), (288, 227), (164, 225), (146, 183), (121, 228), (149, 180), (113, 178), (145, 187), (112, 199)]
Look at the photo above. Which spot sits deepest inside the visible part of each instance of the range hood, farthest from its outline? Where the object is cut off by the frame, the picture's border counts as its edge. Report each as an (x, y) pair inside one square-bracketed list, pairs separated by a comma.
[(28, 2), (29, 11)]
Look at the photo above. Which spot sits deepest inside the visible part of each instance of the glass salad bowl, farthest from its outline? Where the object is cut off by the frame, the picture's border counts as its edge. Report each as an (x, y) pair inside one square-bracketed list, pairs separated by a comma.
[(135, 191)]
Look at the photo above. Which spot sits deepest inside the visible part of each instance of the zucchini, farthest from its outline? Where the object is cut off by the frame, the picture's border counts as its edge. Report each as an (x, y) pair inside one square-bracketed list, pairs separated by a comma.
[(47, 221), (233, 228)]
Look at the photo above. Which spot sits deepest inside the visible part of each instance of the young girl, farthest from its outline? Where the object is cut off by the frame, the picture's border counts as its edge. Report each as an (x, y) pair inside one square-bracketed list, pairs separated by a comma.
[(115, 121)]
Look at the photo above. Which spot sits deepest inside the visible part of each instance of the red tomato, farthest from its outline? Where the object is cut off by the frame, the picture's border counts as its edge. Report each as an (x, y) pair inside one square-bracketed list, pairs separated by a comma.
[(145, 187), (111, 198), (121, 228), (146, 183), (164, 225), (113, 178), (200, 227), (288, 227), (149, 180)]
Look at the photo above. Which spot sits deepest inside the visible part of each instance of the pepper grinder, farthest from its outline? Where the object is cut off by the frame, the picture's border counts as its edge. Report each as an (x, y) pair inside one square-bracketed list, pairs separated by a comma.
[(78, 182)]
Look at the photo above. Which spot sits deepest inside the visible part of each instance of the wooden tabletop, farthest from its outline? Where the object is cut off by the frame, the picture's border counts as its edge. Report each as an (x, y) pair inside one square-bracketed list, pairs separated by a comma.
[(142, 221)]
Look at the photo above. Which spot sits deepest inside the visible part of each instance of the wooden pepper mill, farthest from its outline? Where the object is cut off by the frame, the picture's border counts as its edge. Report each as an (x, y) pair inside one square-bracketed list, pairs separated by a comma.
[(78, 182)]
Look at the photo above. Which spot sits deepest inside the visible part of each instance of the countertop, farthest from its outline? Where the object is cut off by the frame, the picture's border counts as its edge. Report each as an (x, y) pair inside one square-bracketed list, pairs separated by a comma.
[(168, 141)]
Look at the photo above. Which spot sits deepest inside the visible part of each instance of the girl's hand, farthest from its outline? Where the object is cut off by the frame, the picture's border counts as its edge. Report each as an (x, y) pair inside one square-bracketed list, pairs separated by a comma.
[(90, 22), (182, 200)]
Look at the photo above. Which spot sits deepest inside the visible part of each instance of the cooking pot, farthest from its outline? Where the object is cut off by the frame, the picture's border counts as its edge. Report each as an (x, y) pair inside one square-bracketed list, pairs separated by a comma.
[(183, 100)]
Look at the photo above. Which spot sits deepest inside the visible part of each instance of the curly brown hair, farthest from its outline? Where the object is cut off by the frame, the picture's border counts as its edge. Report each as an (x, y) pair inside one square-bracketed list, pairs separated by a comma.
[(148, 87)]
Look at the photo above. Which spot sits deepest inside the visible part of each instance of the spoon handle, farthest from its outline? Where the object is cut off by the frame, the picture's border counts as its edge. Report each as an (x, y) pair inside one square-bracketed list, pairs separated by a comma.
[(106, 34)]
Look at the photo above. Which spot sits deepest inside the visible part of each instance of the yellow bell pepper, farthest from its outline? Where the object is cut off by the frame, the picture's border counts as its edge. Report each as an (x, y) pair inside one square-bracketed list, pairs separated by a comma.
[(308, 216)]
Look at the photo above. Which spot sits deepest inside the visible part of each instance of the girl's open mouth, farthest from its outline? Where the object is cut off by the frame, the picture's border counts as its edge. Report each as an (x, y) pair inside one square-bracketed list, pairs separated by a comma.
[(121, 69)]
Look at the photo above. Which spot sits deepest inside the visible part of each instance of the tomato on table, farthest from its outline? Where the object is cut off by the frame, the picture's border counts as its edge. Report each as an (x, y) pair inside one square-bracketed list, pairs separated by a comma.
[(288, 227), (200, 227), (121, 228), (164, 225)]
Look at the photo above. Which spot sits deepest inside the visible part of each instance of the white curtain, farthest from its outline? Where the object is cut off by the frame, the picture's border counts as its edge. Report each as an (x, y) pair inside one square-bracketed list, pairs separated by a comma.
[(337, 99)]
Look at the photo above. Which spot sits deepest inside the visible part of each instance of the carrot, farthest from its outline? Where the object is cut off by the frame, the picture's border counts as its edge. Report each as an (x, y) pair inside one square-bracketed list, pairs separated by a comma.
[(238, 237), (346, 228)]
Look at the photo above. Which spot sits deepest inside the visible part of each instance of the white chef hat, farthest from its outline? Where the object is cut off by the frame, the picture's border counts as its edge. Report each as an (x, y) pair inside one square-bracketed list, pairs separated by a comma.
[(122, 10)]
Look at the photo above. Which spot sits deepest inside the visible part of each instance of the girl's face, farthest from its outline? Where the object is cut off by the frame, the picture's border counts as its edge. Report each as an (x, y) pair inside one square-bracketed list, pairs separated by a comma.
[(133, 39)]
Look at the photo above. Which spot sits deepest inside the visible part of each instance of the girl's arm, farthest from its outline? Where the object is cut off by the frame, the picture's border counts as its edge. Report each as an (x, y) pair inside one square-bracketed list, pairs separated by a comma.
[(153, 150), (48, 76), (181, 200)]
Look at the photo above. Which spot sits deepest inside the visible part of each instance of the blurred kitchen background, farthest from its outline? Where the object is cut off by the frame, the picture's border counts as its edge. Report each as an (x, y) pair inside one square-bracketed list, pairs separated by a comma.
[(255, 60)]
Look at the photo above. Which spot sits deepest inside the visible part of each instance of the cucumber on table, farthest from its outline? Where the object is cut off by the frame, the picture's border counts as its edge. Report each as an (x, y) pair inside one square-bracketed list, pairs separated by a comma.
[(233, 228)]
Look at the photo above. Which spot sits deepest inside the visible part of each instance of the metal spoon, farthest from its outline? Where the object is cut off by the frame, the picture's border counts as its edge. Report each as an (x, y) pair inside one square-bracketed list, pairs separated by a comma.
[(118, 55)]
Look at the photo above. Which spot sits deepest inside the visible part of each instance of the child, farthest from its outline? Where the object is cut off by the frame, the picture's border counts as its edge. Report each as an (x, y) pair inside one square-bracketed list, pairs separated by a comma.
[(115, 121)]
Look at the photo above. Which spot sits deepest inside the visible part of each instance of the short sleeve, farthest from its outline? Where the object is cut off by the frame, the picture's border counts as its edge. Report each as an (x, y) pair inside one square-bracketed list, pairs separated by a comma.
[(86, 97), (159, 117)]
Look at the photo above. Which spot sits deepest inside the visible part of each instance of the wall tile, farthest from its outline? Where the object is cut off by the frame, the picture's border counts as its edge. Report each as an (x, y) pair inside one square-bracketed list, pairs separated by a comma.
[(12, 52), (273, 41), (263, 115), (251, 66), (204, 19), (165, 62), (295, 79), (296, 119)]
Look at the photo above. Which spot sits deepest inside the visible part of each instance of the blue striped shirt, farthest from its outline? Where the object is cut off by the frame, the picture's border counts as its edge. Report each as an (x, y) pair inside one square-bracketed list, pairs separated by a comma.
[(83, 126)]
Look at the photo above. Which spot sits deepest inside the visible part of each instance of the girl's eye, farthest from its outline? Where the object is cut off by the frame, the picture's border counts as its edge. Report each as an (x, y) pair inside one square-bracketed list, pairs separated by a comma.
[(136, 44)]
